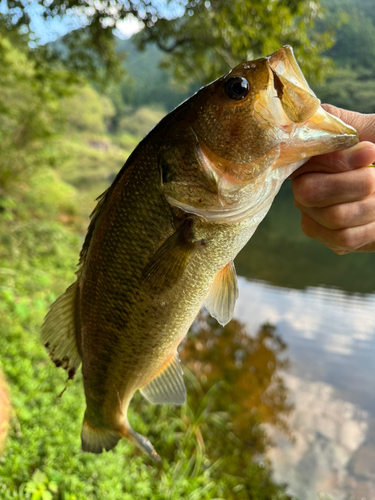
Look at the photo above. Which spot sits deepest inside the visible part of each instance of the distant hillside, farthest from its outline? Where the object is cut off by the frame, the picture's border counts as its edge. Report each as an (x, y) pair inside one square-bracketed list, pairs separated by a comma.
[(146, 82)]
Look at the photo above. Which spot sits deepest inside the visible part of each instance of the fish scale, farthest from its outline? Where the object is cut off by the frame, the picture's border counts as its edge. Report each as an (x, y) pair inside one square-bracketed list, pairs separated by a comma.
[(163, 237)]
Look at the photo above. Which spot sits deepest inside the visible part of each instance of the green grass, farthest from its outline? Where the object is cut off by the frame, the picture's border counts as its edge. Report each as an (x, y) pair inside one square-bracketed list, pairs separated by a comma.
[(42, 220)]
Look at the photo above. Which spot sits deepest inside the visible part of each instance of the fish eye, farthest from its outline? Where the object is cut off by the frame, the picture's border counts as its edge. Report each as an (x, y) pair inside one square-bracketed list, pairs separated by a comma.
[(236, 88)]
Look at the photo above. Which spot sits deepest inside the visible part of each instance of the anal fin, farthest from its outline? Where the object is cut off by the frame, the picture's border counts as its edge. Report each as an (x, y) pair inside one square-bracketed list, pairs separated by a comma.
[(58, 332), (168, 386), (223, 295), (96, 440)]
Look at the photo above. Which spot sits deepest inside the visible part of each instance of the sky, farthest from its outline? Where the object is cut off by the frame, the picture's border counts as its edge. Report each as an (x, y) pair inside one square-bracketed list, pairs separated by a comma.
[(48, 30)]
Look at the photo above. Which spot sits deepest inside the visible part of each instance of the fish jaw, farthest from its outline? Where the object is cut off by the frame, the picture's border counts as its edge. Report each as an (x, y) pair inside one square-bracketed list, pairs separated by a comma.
[(308, 129), (240, 149), (321, 134)]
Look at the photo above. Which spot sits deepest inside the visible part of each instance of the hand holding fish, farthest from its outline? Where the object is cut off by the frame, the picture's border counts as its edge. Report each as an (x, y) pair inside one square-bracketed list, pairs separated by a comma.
[(336, 193)]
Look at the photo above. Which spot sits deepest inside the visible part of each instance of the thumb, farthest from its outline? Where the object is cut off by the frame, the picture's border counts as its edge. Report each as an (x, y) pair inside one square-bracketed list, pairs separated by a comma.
[(358, 156), (363, 123)]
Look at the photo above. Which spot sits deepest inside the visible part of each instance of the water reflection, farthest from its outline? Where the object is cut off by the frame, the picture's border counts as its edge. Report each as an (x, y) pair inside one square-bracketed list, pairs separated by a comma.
[(331, 344), (323, 307), (328, 432), (281, 254), (331, 335), (247, 369)]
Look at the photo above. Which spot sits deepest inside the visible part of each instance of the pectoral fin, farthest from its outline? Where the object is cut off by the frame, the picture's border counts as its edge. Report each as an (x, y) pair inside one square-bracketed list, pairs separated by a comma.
[(223, 295), (169, 263), (168, 386)]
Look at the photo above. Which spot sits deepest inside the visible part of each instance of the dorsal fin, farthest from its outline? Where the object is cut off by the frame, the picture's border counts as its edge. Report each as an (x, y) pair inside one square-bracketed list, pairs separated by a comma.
[(98, 210), (94, 217), (168, 386), (223, 295)]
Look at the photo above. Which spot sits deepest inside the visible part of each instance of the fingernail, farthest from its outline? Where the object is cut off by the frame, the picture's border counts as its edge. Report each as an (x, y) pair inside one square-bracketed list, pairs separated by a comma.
[(362, 157)]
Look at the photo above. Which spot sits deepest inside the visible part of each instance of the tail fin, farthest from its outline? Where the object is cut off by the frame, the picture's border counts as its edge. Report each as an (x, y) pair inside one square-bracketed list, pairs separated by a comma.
[(96, 440)]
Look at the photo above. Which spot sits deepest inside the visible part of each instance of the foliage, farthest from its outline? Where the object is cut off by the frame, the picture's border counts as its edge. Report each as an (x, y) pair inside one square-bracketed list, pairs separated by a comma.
[(351, 84), (214, 36), (244, 371), (349, 88), (87, 110), (145, 83), (40, 488), (42, 457), (30, 110), (354, 41), (139, 123), (204, 38)]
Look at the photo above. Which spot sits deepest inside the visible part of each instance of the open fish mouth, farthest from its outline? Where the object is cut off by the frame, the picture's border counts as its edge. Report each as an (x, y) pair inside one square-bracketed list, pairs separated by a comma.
[(298, 100)]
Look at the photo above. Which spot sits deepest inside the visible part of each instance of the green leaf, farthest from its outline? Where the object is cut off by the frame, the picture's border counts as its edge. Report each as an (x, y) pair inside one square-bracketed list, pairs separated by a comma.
[(52, 486), (47, 495), (30, 487)]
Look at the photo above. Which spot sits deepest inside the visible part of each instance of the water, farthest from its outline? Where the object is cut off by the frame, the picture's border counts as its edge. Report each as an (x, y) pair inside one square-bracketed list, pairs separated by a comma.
[(323, 307)]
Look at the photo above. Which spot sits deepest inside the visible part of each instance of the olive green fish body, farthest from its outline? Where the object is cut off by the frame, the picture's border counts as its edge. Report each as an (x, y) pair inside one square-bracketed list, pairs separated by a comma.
[(128, 333), (162, 239)]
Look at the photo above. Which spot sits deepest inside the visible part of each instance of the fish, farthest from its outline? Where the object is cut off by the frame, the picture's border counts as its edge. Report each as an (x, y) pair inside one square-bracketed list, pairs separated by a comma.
[(162, 238)]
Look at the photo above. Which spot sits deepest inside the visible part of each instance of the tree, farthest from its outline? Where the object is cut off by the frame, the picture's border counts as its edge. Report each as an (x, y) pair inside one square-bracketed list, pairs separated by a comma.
[(352, 83), (204, 38), (87, 110), (354, 44), (213, 36), (30, 108)]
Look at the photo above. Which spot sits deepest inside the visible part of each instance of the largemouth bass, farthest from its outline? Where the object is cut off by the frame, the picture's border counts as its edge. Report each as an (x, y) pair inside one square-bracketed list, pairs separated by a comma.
[(163, 237)]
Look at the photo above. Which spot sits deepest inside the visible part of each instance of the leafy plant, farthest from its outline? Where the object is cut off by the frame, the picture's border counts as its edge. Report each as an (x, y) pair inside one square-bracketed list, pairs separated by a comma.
[(40, 488)]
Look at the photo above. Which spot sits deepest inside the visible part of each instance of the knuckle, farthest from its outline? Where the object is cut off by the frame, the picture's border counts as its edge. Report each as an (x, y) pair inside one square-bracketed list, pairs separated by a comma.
[(304, 190), (335, 216), (368, 182), (345, 239)]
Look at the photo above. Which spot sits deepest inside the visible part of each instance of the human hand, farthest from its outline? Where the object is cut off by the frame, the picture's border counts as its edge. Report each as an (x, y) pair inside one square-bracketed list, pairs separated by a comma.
[(335, 192)]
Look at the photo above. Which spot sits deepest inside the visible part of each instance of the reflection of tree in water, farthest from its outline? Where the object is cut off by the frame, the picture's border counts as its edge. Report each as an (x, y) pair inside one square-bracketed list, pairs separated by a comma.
[(242, 373), (233, 386)]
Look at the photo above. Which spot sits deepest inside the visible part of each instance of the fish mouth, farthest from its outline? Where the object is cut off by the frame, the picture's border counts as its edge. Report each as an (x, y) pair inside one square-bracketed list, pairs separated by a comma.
[(319, 130)]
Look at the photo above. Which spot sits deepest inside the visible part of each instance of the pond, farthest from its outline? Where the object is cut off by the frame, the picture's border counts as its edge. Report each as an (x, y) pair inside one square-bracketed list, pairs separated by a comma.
[(323, 307)]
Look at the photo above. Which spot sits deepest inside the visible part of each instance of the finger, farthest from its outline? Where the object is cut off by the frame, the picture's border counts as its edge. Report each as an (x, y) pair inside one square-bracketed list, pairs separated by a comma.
[(363, 123), (343, 215), (324, 190), (360, 155), (340, 240)]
